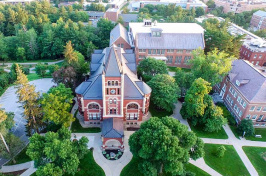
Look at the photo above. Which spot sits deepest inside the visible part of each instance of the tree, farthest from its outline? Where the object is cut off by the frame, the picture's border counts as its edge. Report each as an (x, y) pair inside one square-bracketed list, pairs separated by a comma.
[(56, 105), (199, 11), (30, 102), (183, 80), (210, 4), (217, 36), (41, 69), (65, 75), (52, 68), (69, 54), (103, 30), (6, 123), (125, 10), (200, 109), (55, 153), (20, 54), (220, 151), (212, 67), (164, 91), (246, 128), (194, 105), (14, 144), (164, 145), (150, 67)]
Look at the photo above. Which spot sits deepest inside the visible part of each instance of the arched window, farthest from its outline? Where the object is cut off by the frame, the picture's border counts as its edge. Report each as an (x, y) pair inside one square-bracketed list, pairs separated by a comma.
[(132, 106), (114, 101), (110, 101), (109, 83), (116, 83), (93, 106)]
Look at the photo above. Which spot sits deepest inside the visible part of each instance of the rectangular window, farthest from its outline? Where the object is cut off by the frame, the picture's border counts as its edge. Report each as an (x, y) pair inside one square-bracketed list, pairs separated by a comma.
[(254, 117), (141, 56), (259, 108), (158, 52), (238, 99), (107, 91), (178, 59), (244, 104), (169, 59), (114, 111), (252, 108), (235, 94), (255, 56), (188, 51), (260, 56), (240, 113), (149, 51), (122, 45), (170, 51), (154, 51), (142, 50), (163, 51), (187, 59), (264, 109), (257, 63), (230, 89), (260, 117), (111, 111), (118, 91), (179, 51), (248, 116)]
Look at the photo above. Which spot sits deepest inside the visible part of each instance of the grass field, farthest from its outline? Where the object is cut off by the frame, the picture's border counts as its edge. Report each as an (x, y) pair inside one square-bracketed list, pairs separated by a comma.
[(261, 131), (257, 156), (158, 113), (22, 157), (229, 165), (34, 76), (132, 169), (221, 134)]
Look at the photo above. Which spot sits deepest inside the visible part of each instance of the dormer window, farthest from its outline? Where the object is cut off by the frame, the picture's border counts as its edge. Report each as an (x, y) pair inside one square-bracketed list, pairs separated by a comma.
[(237, 83), (156, 34)]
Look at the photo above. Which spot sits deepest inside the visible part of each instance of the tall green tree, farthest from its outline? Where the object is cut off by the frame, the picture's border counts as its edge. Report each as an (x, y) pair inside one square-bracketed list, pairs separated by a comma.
[(164, 145), (56, 153), (164, 91), (183, 80), (150, 67), (212, 67), (56, 105), (246, 128)]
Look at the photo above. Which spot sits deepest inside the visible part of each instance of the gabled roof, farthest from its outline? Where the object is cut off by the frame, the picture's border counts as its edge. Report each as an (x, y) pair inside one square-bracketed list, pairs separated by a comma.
[(112, 128), (118, 31), (170, 41), (251, 82)]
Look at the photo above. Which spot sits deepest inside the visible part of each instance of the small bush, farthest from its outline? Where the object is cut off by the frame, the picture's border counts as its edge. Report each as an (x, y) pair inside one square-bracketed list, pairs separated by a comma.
[(220, 151)]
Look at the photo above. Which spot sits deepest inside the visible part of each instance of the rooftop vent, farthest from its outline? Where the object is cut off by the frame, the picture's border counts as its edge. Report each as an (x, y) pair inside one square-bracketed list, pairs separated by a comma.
[(147, 22)]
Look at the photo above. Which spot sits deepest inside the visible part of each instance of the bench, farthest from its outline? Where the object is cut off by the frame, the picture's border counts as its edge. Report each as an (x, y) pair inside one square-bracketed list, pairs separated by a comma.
[(258, 136)]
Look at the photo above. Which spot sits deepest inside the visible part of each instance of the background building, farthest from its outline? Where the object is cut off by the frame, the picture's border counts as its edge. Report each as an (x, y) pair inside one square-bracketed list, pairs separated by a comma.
[(258, 20), (172, 42), (244, 92)]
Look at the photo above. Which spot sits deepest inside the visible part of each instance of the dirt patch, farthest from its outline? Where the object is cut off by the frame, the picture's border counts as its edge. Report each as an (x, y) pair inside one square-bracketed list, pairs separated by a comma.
[(17, 173)]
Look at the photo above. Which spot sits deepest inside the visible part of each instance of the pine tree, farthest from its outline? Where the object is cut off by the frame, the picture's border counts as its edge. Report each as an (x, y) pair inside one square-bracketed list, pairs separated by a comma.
[(69, 53), (29, 98)]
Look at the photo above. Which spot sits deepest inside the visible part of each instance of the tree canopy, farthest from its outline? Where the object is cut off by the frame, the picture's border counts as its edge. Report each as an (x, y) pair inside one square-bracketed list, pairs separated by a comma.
[(56, 153), (164, 91), (150, 67), (164, 145), (246, 126)]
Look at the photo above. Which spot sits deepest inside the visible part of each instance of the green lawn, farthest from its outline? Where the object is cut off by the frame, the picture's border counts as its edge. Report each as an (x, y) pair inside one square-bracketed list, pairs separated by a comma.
[(22, 157), (33, 61), (261, 131), (158, 113), (230, 119), (77, 128), (229, 165), (221, 134), (131, 169), (88, 166), (174, 69), (257, 156), (34, 76)]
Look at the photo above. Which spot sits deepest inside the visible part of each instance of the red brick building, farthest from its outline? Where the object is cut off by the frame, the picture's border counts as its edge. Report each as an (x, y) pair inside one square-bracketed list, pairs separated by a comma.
[(258, 20), (172, 42), (119, 37), (254, 51), (112, 14), (113, 97), (244, 93)]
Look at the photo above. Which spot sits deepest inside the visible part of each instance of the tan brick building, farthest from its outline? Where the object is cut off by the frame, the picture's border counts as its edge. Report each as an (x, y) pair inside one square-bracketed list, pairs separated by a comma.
[(244, 93)]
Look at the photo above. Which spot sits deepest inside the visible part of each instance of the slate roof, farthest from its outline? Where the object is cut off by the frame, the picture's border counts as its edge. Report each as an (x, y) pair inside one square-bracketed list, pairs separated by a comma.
[(118, 31), (253, 82), (112, 128), (260, 13), (112, 62), (95, 13), (170, 41), (129, 17)]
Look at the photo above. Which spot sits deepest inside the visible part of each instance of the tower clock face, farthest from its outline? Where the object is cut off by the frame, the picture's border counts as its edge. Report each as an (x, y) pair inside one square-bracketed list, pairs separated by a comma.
[(112, 91)]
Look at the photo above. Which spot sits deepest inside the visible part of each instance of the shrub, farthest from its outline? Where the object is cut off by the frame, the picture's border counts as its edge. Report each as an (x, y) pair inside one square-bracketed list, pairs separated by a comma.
[(26, 71), (220, 151), (247, 127)]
